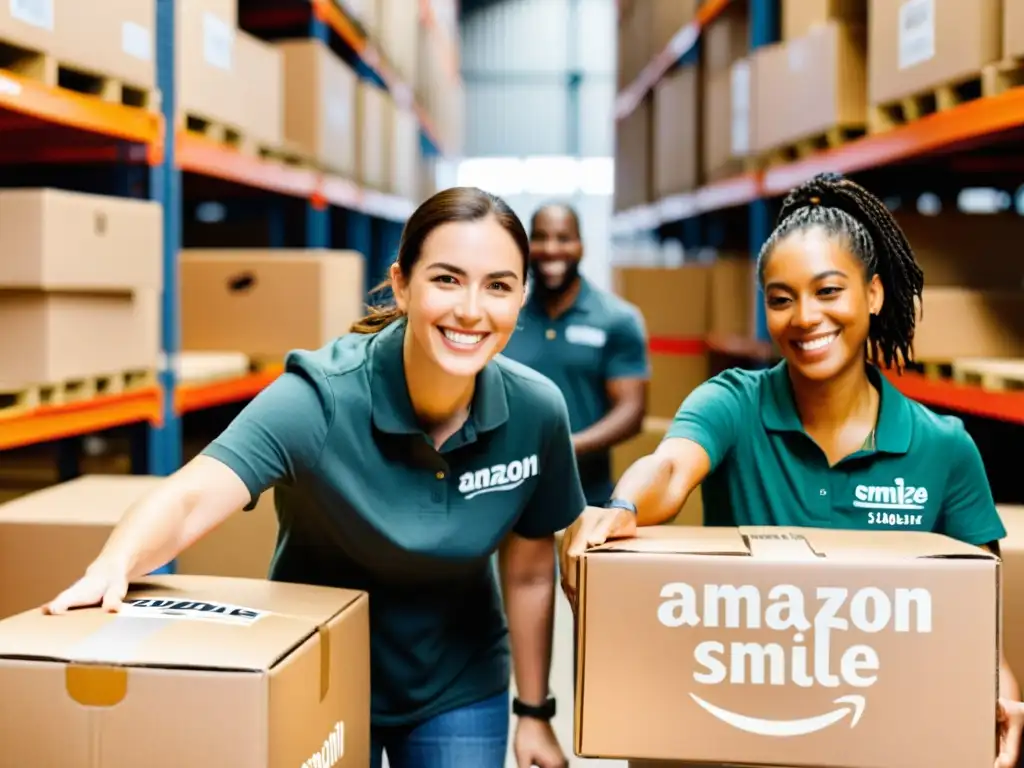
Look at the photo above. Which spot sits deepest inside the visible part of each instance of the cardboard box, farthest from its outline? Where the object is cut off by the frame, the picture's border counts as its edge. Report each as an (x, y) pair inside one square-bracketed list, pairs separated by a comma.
[(261, 66), (829, 637), (405, 154), (375, 113), (801, 16), (116, 38), (725, 117), (399, 36), (245, 673), (634, 172), (805, 87), (244, 300), (1011, 550), (726, 39), (734, 296), (320, 105), (677, 134), (50, 536), (58, 337), (918, 45), (959, 322), (57, 240), (208, 74), (1013, 29), (29, 25), (964, 250)]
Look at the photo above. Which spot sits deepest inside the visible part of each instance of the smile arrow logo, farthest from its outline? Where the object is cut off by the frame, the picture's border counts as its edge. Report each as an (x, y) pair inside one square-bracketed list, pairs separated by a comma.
[(852, 705)]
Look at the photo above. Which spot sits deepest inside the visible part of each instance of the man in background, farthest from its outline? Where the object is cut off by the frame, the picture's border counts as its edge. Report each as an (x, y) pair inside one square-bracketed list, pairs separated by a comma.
[(589, 342)]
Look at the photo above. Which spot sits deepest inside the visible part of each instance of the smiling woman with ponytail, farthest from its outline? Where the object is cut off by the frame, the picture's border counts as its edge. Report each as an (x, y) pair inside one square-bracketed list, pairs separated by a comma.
[(790, 445)]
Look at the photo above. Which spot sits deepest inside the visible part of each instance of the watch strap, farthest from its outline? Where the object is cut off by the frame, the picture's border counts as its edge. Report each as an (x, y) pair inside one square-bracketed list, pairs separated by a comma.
[(621, 504), (544, 711)]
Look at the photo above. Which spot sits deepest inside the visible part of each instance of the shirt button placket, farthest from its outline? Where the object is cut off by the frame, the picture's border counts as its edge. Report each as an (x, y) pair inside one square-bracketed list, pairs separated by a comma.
[(439, 495)]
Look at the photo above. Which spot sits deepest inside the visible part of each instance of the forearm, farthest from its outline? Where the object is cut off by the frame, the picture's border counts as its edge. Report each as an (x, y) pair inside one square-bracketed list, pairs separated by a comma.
[(621, 423), (649, 484), (150, 534), (530, 606)]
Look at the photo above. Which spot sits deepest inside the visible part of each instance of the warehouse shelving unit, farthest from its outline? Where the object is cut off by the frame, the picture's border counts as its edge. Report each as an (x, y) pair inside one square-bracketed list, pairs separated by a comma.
[(952, 141), (135, 152)]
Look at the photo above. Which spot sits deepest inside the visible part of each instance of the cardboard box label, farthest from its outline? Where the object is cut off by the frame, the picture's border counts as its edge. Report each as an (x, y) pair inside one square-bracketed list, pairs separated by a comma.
[(190, 610), (218, 42), (137, 41), (916, 32), (36, 13)]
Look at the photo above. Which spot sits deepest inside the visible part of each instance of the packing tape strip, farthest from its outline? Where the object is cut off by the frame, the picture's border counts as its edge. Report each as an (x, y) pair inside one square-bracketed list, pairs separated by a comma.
[(117, 640)]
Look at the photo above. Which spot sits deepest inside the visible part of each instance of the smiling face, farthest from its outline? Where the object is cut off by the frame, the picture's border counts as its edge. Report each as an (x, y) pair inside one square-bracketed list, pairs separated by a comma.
[(463, 295), (818, 303), (555, 249)]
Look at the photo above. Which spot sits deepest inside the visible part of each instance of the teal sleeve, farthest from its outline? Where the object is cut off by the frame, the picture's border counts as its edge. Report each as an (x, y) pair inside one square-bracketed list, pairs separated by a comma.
[(713, 415), (279, 435), (558, 498), (627, 349), (968, 509)]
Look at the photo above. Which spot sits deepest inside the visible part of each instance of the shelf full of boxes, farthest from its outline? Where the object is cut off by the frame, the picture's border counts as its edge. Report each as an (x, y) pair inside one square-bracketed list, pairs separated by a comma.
[(726, 105), (193, 187)]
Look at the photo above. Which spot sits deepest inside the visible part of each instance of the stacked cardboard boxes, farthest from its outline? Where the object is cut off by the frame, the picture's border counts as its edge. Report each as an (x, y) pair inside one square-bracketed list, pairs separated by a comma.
[(79, 286)]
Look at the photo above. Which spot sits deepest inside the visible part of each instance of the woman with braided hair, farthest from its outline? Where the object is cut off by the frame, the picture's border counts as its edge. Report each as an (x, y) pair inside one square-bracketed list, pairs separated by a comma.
[(823, 439)]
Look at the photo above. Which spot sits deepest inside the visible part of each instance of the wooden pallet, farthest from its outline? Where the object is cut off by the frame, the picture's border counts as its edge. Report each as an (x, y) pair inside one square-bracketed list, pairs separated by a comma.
[(16, 400), (52, 71), (990, 81), (233, 137), (998, 375), (830, 139)]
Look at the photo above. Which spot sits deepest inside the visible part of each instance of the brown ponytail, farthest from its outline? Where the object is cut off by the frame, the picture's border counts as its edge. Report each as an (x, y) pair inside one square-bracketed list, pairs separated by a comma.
[(450, 205)]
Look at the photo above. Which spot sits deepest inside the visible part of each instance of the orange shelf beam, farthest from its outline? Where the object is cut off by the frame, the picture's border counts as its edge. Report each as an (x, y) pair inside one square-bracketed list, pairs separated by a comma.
[(78, 110), (1000, 406), (197, 397), (59, 421), (678, 46), (198, 154), (945, 130), (330, 14)]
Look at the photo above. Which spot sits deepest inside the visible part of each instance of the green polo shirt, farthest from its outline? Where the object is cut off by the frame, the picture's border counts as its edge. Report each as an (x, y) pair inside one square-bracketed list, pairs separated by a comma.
[(599, 338), (365, 501), (923, 473)]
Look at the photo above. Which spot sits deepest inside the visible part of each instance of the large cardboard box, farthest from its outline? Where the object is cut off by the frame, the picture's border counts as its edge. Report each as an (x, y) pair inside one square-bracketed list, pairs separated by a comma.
[(1013, 29), (807, 86), (243, 673), (734, 296), (634, 171), (29, 25), (801, 16), (677, 134), (1011, 550), (57, 337), (405, 154), (918, 45), (788, 646), (57, 240), (208, 74), (375, 113), (245, 300), (116, 38), (399, 36), (960, 322), (320, 105), (261, 66), (50, 536)]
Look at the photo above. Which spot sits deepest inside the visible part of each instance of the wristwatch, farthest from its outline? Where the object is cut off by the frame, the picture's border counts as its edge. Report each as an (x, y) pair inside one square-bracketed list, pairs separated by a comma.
[(545, 711), (621, 504)]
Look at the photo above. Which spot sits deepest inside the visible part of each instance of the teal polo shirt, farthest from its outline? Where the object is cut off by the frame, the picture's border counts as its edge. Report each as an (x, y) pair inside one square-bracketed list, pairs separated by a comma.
[(599, 338), (923, 473), (366, 501)]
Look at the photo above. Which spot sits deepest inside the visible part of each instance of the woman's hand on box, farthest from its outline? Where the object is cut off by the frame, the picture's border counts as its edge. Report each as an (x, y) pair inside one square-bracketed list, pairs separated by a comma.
[(103, 584), (594, 527)]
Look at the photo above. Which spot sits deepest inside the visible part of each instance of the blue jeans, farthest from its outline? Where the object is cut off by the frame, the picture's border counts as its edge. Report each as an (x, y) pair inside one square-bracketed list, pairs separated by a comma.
[(475, 735)]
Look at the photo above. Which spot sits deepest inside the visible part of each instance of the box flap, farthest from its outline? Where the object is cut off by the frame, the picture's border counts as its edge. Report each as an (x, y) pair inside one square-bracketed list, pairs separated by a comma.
[(87, 500), (682, 540), (191, 622), (793, 543)]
